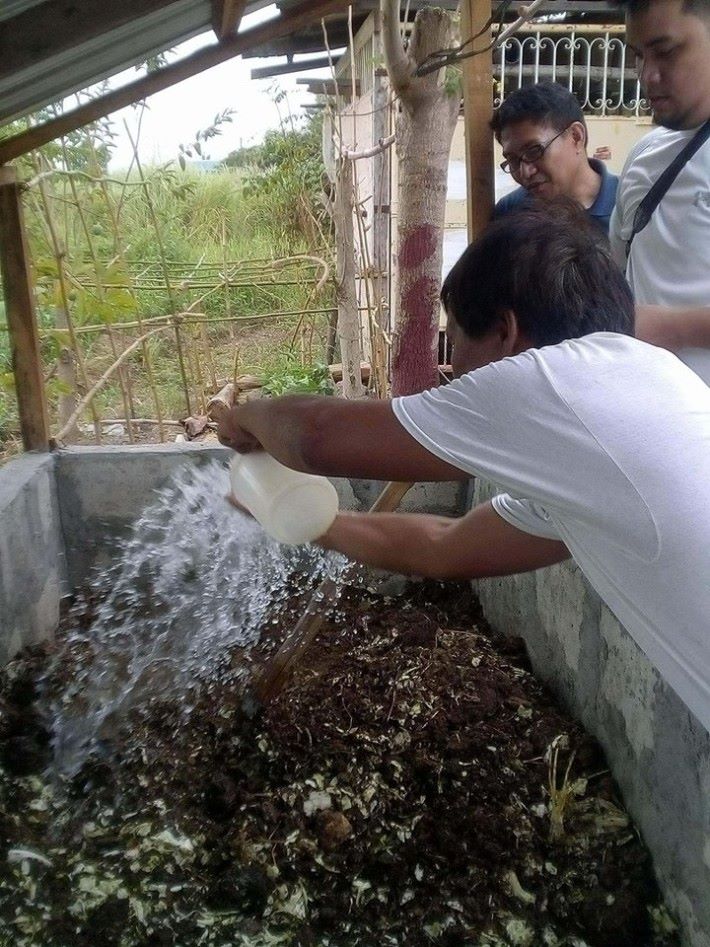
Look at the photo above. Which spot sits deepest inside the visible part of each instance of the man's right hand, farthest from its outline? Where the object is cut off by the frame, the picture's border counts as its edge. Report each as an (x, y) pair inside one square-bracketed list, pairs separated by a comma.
[(232, 434)]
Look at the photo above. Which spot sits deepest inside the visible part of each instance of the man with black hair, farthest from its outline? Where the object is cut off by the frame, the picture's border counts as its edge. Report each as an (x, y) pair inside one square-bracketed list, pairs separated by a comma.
[(544, 138), (667, 261), (600, 442)]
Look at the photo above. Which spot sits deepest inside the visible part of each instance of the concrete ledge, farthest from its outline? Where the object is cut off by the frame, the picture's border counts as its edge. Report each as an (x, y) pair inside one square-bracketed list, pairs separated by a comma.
[(658, 751), (32, 563)]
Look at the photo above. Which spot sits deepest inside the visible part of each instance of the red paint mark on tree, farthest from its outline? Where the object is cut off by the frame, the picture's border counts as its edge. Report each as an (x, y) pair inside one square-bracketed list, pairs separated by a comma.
[(418, 245), (414, 367)]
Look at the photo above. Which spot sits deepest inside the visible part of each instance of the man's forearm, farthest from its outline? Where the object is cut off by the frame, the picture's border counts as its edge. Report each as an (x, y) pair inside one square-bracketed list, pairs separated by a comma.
[(334, 437), (477, 545), (674, 329)]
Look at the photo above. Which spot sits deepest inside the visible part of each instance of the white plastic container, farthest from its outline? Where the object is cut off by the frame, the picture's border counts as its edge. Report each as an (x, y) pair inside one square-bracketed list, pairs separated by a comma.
[(292, 507)]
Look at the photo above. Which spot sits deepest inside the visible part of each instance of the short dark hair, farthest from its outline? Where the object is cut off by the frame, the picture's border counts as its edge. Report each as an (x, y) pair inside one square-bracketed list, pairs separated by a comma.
[(547, 103), (551, 265), (699, 8)]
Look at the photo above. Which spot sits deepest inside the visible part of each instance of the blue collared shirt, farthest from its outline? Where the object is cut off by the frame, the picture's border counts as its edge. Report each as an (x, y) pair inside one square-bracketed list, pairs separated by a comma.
[(600, 210)]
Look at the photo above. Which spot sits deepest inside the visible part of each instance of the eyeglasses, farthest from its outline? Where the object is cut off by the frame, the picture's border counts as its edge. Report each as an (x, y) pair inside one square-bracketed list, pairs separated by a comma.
[(529, 155)]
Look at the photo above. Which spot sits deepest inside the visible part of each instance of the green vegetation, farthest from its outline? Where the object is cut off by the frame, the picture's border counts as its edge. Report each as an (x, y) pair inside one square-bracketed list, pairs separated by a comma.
[(221, 249), (292, 378)]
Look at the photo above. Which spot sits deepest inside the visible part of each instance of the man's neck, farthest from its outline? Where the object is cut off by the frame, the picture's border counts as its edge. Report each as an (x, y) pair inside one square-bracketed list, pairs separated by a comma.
[(587, 185)]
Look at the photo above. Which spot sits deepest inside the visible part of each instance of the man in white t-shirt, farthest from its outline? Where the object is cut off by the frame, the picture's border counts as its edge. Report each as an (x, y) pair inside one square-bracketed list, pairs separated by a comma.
[(601, 442), (669, 260)]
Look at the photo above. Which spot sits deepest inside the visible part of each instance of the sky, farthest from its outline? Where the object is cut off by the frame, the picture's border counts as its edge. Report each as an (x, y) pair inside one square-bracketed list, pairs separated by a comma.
[(174, 116)]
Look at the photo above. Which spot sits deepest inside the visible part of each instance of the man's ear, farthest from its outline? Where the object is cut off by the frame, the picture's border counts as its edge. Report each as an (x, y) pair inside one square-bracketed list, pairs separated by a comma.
[(509, 333), (579, 135)]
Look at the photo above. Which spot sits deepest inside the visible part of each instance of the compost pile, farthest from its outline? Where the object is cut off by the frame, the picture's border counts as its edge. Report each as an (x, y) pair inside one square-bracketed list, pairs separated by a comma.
[(413, 785)]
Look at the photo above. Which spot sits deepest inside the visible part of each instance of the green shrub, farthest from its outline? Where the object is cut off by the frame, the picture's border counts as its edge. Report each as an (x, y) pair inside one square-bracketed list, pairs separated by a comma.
[(293, 378)]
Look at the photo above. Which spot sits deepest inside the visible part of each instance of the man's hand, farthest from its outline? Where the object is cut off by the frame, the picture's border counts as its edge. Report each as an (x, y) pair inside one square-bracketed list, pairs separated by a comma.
[(232, 434)]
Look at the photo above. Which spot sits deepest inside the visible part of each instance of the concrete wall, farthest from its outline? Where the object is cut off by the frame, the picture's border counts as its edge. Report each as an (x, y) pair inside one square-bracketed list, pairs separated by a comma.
[(32, 564), (103, 489), (658, 752)]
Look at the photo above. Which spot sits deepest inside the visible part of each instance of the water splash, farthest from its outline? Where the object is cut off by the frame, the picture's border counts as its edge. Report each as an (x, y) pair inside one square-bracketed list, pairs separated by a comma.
[(195, 580)]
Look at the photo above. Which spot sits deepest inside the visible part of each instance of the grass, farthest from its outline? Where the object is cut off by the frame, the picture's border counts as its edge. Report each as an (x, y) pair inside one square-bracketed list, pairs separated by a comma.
[(142, 250)]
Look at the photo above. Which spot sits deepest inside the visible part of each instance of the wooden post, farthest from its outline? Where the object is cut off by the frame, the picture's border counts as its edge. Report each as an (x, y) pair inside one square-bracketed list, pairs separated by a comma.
[(477, 110), (21, 320)]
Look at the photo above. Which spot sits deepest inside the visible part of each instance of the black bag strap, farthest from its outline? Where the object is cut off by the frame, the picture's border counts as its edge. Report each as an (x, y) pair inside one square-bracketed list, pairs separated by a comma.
[(653, 198)]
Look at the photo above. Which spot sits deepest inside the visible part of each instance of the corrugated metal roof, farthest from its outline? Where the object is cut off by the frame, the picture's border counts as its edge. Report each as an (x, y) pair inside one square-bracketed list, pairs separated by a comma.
[(82, 61), (52, 48)]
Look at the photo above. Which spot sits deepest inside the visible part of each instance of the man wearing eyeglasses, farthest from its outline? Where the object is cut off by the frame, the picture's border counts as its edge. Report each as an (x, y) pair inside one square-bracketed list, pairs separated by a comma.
[(543, 134)]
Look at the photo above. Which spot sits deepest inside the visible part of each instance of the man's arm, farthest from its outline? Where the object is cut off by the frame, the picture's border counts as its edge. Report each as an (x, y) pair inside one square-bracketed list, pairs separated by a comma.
[(333, 437), (477, 545), (674, 329)]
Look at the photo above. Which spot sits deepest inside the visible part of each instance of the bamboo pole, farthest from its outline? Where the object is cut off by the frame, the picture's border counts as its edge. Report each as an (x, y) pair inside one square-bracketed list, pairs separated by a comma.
[(477, 108), (21, 318), (90, 395), (166, 273), (60, 254)]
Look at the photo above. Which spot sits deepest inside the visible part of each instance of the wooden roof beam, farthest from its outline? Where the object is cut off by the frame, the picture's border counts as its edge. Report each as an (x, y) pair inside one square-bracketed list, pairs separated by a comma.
[(330, 86), (266, 72), (285, 25), (226, 16)]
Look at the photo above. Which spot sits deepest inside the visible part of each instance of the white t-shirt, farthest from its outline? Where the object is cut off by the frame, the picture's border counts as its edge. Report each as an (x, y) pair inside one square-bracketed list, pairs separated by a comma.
[(669, 263), (604, 443)]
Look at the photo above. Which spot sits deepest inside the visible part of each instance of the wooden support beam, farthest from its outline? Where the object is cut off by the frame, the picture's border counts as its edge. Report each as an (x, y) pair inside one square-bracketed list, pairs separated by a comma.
[(21, 320), (478, 107), (285, 25), (330, 86), (266, 72), (226, 16), (382, 116)]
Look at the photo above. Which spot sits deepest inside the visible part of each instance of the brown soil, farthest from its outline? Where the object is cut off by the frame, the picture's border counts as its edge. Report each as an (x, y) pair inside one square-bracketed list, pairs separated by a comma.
[(398, 792)]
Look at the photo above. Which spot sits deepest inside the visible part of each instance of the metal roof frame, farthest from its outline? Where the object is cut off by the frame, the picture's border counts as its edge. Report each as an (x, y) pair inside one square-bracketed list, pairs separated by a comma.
[(50, 49)]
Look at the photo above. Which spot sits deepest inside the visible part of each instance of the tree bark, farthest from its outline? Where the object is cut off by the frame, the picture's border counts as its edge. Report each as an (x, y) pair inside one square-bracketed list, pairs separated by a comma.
[(425, 126)]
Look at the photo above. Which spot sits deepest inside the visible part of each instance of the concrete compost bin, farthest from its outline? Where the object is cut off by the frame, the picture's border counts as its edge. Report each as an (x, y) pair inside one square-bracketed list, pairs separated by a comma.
[(62, 514)]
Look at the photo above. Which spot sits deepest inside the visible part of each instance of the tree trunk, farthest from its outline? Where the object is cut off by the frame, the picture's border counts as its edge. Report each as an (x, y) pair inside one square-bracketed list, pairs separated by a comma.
[(424, 130), (346, 296)]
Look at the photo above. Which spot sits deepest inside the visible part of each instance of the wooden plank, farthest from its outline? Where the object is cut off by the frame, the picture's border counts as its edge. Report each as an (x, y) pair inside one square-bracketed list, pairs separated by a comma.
[(226, 16), (478, 106), (266, 72), (21, 320), (203, 59), (330, 86)]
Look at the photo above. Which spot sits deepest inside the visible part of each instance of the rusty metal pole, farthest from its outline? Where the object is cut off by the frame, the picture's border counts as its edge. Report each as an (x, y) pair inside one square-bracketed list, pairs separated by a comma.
[(21, 319), (477, 110)]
